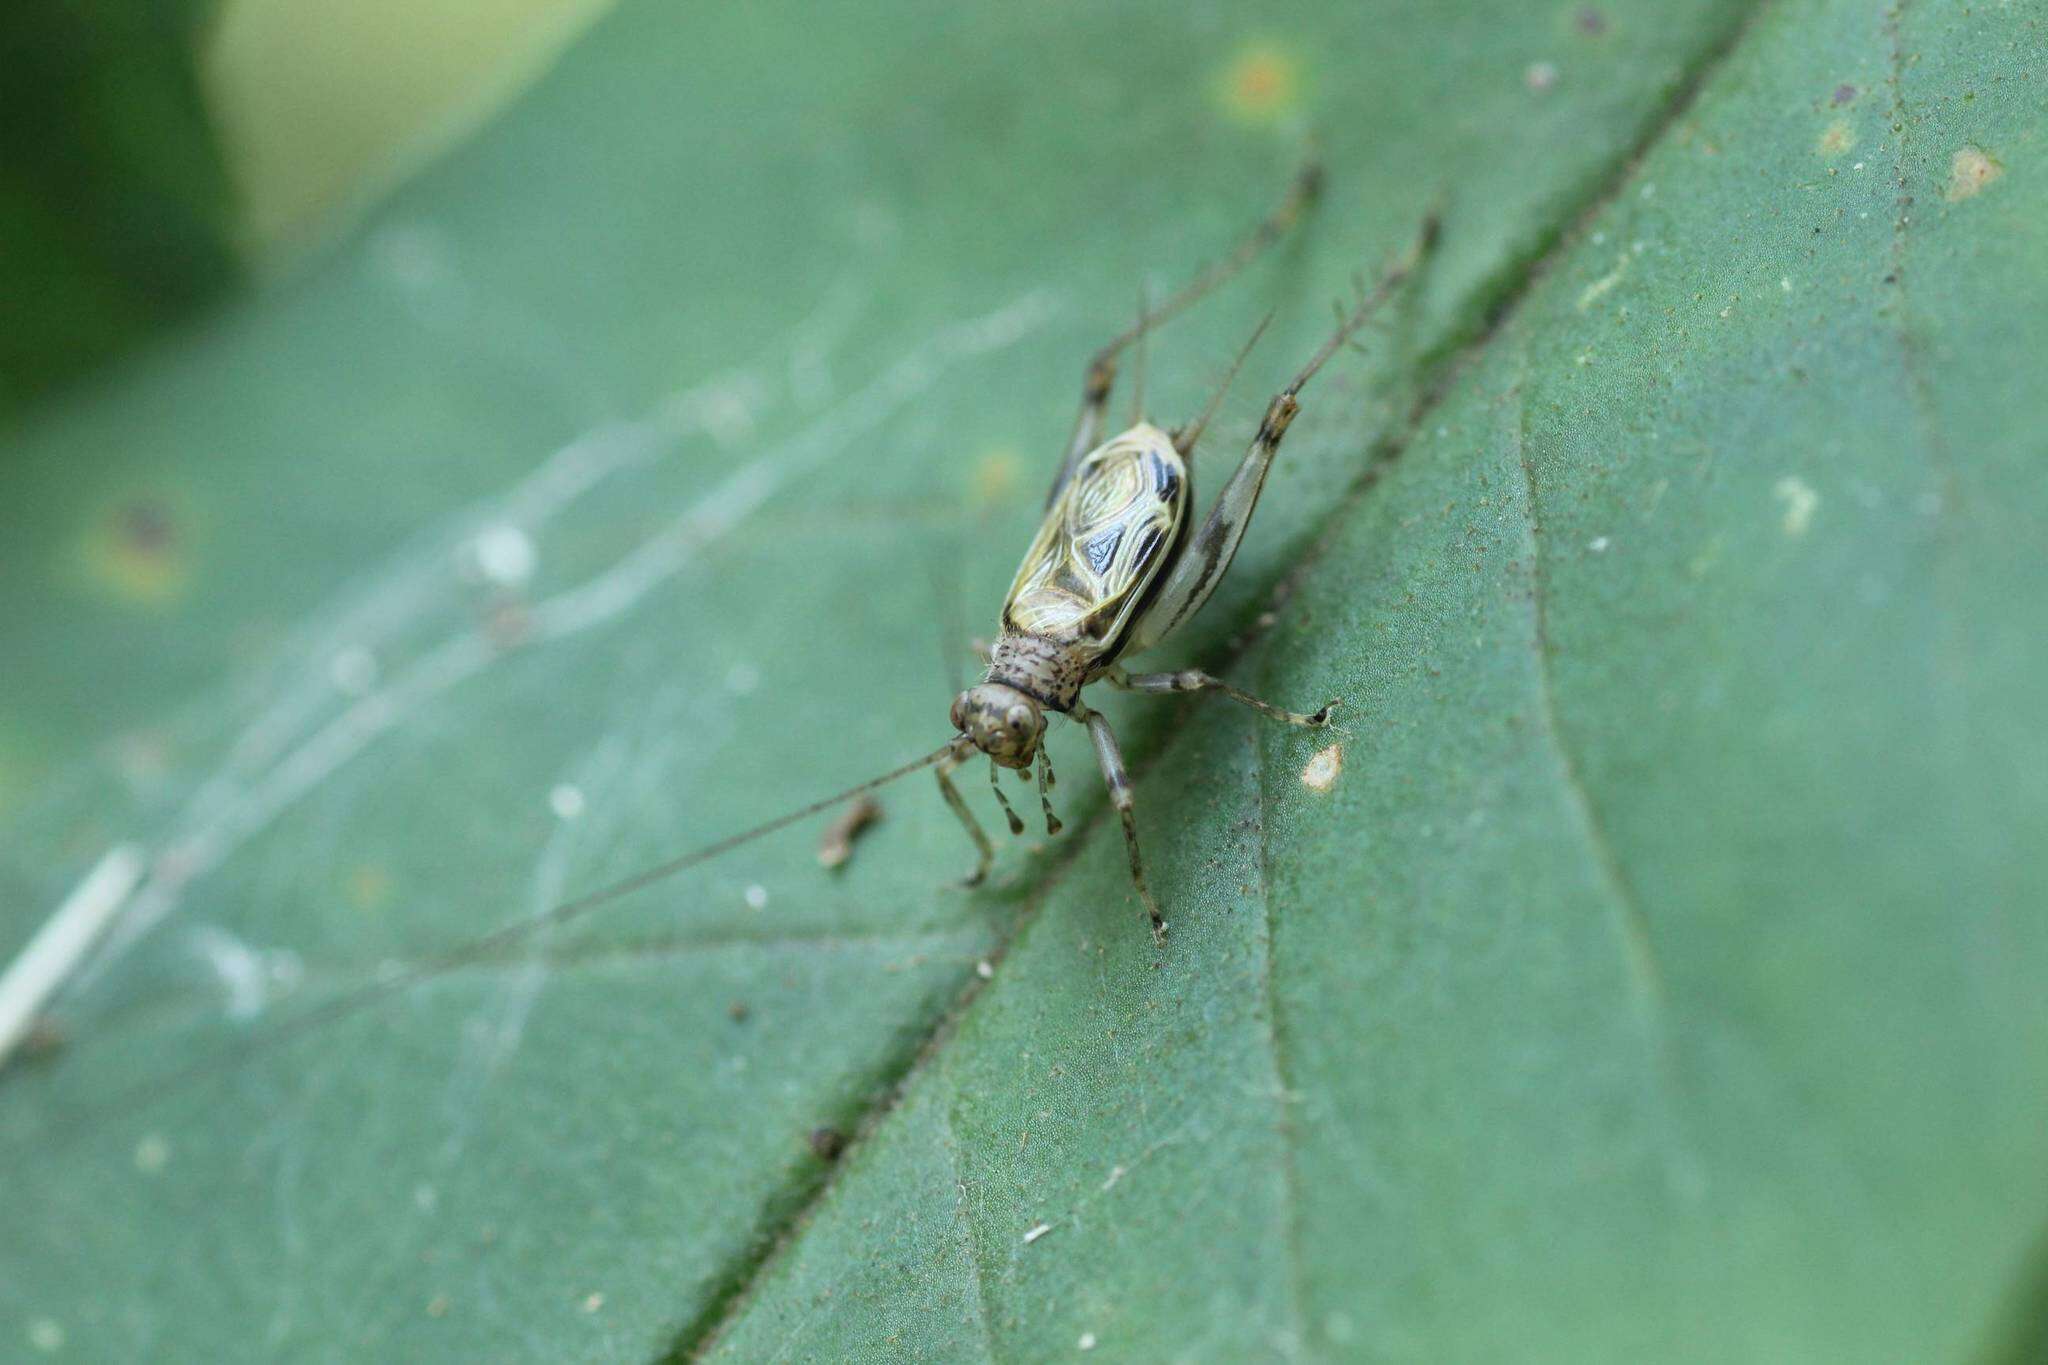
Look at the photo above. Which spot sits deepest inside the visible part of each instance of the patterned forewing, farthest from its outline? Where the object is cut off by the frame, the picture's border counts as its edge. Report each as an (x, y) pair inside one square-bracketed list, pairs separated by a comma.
[(1102, 543)]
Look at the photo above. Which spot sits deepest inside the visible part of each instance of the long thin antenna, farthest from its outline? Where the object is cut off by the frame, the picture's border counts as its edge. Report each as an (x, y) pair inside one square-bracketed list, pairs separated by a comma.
[(1138, 358), (1185, 437), (483, 948), (1301, 192)]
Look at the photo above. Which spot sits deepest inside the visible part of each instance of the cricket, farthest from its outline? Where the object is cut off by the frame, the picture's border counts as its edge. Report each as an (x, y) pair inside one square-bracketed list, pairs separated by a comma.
[(1117, 565)]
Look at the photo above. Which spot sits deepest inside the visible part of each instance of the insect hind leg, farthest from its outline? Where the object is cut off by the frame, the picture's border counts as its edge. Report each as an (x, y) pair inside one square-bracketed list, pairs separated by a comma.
[(1100, 377), (1195, 575)]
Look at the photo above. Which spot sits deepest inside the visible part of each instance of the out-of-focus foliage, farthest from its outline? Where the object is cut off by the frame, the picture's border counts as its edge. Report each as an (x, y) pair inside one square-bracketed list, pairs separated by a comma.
[(115, 213)]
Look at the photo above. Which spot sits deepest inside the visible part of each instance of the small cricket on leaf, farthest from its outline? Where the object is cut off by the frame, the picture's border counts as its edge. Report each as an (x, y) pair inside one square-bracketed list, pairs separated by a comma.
[(1119, 562)]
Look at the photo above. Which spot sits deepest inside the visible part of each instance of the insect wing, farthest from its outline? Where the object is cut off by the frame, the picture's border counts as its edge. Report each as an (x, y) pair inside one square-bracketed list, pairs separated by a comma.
[(1102, 543)]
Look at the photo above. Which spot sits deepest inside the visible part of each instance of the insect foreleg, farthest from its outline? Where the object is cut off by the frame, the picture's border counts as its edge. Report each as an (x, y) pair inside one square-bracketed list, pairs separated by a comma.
[(983, 848), (1119, 784), (1194, 680)]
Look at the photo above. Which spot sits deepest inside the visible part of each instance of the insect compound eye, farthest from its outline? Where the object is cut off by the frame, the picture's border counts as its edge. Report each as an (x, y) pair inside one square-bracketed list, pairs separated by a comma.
[(959, 717)]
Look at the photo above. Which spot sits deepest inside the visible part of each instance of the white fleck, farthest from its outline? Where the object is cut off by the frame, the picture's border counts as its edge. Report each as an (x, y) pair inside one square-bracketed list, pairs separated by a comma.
[(985, 969), (1592, 292), (425, 1197), (46, 1334), (152, 1153), (1116, 1173), (1322, 770), (246, 974), (566, 800), (1857, 167), (593, 1302), (757, 897), (741, 679), (1649, 191), (1087, 1341), (414, 256), (1785, 283), (1636, 247), (1599, 239), (353, 670), (1800, 501), (1540, 76), (727, 412), (1598, 544), (1036, 1231), (504, 555)]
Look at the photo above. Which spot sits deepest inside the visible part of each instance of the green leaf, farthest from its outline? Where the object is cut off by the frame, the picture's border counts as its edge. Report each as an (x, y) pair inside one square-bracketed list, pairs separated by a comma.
[(1658, 976)]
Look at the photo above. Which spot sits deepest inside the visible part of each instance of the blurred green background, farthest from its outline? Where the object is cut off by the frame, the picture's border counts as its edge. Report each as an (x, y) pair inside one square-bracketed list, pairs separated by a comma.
[(154, 158)]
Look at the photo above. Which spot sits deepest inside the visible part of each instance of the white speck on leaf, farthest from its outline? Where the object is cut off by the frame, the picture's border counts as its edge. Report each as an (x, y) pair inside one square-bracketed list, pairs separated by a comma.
[(1800, 501), (46, 1334), (1036, 1231), (566, 801), (353, 670), (985, 970), (504, 555), (1087, 1341), (1598, 545), (593, 1302), (757, 897), (1540, 76), (152, 1153), (1322, 770)]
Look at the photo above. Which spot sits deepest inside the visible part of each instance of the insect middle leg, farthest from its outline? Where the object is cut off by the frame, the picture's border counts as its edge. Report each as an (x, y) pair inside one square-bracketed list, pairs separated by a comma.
[(1101, 375), (985, 851), (1119, 783), (1195, 680)]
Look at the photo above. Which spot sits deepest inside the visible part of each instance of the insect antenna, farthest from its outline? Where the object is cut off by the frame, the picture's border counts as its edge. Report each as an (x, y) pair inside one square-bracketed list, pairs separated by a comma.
[(478, 950), (1138, 356), (1185, 437)]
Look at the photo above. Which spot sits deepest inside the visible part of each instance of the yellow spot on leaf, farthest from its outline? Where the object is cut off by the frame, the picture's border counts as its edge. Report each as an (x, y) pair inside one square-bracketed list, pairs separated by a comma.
[(1262, 85), (994, 478), (1323, 770), (137, 552), (1836, 138), (1970, 171), (369, 887)]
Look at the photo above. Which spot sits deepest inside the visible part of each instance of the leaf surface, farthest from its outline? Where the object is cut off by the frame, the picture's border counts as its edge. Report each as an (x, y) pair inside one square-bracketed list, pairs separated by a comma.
[(1657, 975)]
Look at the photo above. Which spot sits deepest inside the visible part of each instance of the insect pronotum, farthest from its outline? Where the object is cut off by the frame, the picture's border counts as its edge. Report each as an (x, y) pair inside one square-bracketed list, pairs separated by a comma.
[(1117, 565)]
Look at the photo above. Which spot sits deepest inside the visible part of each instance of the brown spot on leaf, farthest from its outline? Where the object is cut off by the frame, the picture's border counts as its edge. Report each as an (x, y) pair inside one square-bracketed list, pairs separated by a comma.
[(1969, 172)]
